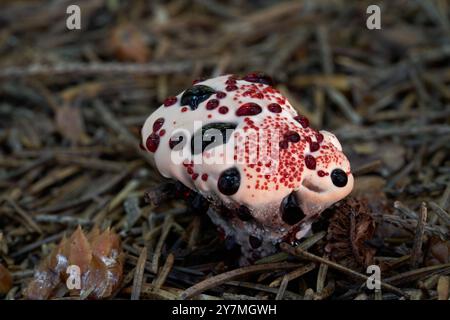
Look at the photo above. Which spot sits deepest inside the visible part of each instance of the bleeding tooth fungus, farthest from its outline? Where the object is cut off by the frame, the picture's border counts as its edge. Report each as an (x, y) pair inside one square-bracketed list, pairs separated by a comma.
[(238, 142)]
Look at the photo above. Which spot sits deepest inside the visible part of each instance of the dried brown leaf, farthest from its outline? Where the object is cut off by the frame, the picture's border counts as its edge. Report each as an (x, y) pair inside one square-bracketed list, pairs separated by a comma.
[(438, 252), (6, 281), (128, 44)]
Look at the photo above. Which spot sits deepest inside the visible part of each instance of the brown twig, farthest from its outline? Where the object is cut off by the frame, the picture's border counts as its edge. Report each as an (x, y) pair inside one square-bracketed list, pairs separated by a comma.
[(233, 274), (418, 238), (297, 252), (85, 69), (139, 275)]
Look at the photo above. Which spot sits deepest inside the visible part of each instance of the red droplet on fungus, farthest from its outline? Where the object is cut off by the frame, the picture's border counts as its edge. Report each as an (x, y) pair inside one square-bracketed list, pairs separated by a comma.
[(310, 162), (274, 107), (314, 146), (231, 87), (223, 109), (319, 137), (220, 94), (152, 142), (302, 120), (248, 109), (321, 173), (170, 101), (212, 104), (158, 124)]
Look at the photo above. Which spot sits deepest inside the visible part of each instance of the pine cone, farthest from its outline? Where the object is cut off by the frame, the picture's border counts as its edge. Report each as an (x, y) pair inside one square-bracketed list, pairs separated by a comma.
[(98, 256), (350, 227)]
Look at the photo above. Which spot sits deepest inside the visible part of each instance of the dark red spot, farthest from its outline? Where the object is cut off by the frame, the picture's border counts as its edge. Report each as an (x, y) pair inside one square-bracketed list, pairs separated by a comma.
[(248, 109), (184, 109), (223, 109), (212, 104), (293, 136), (152, 142), (321, 173), (162, 132), (231, 87), (231, 81), (274, 107), (259, 77), (283, 144), (314, 146), (204, 176), (319, 137), (194, 176), (158, 124), (220, 94), (302, 120), (170, 101), (310, 162), (190, 170)]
